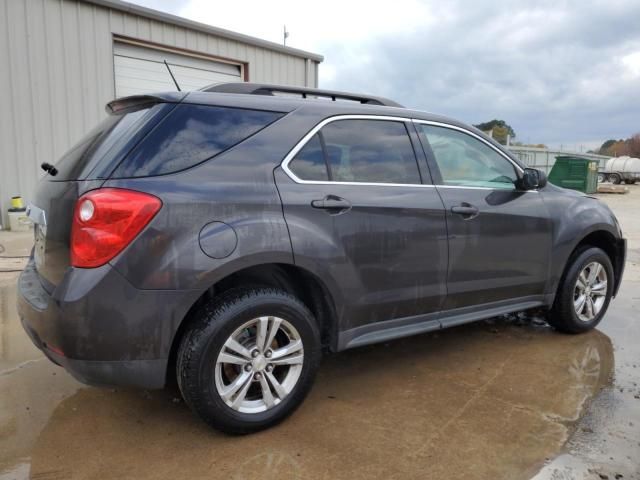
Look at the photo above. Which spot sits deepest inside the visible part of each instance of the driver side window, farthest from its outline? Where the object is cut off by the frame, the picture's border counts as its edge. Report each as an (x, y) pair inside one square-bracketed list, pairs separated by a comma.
[(465, 161)]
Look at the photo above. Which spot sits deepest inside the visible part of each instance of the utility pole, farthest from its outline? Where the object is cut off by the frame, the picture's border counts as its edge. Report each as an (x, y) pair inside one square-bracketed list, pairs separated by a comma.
[(285, 35)]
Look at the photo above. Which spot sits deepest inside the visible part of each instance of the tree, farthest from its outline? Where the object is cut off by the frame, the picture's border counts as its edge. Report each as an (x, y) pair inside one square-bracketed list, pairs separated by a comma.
[(634, 145), (500, 130), (618, 148)]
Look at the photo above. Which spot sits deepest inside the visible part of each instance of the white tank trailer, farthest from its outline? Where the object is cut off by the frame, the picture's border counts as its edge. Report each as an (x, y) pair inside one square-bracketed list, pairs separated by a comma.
[(621, 169)]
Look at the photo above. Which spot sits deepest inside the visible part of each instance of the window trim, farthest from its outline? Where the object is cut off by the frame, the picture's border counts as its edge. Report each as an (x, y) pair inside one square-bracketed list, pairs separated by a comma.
[(300, 145)]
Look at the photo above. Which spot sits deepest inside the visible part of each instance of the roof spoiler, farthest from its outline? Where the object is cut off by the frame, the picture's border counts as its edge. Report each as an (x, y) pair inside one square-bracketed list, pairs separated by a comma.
[(269, 89), (137, 102), (129, 104)]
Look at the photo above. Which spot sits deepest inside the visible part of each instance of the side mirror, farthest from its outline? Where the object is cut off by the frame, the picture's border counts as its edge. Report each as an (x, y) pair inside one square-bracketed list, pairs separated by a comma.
[(532, 179)]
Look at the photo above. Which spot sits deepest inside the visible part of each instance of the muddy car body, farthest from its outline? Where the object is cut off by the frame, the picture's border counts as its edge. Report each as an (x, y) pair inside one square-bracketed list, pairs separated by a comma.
[(227, 237)]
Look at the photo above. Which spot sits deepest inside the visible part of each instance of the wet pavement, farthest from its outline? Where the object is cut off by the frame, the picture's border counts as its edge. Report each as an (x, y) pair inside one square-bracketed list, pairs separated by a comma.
[(506, 398)]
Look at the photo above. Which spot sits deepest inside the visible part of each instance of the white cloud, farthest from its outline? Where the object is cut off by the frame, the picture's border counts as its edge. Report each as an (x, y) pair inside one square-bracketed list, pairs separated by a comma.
[(558, 72), (632, 63), (313, 25)]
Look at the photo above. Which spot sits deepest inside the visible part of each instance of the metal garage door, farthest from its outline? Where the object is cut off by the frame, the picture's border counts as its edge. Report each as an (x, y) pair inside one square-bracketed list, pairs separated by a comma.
[(141, 70)]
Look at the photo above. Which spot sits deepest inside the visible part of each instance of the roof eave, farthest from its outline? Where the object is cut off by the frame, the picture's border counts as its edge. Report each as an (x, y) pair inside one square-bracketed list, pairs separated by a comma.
[(131, 8)]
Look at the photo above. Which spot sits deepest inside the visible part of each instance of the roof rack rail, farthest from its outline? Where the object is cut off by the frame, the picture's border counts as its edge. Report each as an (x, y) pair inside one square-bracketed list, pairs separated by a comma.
[(304, 92)]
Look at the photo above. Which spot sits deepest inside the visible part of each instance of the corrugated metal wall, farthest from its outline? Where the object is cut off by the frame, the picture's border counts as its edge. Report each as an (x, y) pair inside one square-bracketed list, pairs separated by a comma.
[(56, 74)]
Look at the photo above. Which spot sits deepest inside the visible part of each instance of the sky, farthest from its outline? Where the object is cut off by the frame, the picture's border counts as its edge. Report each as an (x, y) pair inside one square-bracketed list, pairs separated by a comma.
[(562, 73)]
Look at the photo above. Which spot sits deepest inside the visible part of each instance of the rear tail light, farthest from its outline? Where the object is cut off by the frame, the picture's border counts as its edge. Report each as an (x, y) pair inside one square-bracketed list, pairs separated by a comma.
[(105, 221)]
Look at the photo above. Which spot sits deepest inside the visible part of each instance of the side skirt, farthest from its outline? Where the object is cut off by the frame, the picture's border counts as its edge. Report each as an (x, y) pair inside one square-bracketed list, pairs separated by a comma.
[(407, 326)]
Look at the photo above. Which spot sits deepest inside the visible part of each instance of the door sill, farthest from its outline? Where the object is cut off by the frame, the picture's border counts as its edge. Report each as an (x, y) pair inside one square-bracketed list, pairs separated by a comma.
[(407, 326)]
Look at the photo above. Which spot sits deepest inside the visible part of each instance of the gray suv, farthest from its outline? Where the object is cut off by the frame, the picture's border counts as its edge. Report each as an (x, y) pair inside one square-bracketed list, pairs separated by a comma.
[(225, 238)]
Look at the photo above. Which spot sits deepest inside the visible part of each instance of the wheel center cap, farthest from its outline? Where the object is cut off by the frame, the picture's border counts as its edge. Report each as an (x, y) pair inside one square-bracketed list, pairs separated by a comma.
[(259, 363), (588, 291)]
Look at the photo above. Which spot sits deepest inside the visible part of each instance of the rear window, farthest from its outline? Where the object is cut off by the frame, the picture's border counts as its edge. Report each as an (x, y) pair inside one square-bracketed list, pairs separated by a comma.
[(101, 144), (191, 134)]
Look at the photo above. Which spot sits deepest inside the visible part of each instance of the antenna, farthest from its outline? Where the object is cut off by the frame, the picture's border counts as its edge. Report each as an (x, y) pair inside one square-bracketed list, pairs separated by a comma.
[(285, 35), (172, 77)]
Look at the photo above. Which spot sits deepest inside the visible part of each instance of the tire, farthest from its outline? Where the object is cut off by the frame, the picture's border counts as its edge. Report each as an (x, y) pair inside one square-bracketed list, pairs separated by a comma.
[(615, 178), (564, 314), (629, 182), (204, 374), (602, 178)]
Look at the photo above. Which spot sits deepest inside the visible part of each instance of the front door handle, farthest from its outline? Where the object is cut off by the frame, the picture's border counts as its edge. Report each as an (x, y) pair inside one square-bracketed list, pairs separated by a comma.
[(332, 203), (467, 210)]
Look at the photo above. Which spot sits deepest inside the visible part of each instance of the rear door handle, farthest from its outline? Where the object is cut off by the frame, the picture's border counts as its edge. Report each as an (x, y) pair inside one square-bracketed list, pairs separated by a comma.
[(466, 210), (332, 203)]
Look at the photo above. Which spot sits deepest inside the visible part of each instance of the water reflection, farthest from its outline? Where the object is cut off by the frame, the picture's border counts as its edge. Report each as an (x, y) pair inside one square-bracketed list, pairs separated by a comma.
[(478, 401)]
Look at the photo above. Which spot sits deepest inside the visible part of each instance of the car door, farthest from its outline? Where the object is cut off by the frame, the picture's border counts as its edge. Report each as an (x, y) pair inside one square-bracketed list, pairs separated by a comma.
[(499, 236), (364, 218)]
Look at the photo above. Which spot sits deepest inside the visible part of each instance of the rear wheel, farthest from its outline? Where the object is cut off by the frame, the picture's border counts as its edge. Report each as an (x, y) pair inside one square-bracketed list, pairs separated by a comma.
[(584, 292), (615, 178), (248, 359)]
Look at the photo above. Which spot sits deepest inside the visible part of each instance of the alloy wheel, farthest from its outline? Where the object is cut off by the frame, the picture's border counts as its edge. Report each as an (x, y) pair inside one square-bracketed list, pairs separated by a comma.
[(590, 291), (259, 364)]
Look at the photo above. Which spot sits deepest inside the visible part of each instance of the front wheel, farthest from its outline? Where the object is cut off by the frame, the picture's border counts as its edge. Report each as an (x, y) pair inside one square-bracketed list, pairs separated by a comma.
[(248, 359), (584, 292)]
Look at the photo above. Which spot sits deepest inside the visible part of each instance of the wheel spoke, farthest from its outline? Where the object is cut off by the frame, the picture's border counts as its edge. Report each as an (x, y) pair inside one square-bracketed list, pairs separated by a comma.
[(261, 333), (295, 359), (287, 350), (589, 307), (580, 303), (234, 346), (275, 326), (239, 382), (582, 278), (243, 392), (267, 396), (599, 289), (594, 272), (280, 391), (581, 283), (228, 358)]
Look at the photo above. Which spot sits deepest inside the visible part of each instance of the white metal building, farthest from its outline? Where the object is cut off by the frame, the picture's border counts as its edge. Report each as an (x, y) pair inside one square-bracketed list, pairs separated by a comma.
[(61, 61), (544, 158)]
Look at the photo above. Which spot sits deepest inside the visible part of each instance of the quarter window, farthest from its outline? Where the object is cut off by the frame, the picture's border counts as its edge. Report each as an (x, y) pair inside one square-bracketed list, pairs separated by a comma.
[(466, 161), (359, 151), (309, 164)]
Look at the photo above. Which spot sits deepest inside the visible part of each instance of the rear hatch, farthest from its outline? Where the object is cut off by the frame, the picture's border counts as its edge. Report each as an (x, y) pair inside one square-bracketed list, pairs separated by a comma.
[(85, 167)]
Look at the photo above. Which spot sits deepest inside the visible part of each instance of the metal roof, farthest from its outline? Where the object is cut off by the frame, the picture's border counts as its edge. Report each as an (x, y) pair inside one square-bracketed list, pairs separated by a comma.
[(133, 9)]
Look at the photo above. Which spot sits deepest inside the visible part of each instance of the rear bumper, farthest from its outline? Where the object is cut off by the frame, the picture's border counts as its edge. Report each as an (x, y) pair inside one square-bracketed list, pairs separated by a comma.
[(100, 328), (136, 373)]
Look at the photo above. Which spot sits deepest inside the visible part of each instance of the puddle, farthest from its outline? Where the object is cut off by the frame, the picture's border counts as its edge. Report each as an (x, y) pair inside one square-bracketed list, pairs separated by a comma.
[(489, 400)]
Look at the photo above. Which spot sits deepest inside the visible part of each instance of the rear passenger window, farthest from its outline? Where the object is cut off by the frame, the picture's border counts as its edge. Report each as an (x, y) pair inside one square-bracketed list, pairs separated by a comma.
[(191, 134), (309, 163), (370, 151)]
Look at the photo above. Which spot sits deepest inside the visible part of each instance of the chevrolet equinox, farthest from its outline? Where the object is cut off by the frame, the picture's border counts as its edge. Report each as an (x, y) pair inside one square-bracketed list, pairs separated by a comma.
[(225, 238)]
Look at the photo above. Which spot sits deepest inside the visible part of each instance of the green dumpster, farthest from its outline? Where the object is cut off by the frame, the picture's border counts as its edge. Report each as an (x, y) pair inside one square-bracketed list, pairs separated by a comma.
[(576, 173)]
